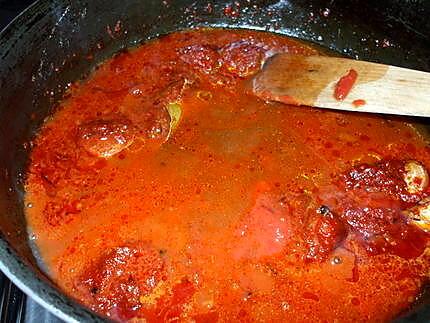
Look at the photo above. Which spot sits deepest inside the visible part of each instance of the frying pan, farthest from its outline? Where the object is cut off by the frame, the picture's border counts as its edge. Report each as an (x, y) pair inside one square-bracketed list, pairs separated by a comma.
[(54, 43)]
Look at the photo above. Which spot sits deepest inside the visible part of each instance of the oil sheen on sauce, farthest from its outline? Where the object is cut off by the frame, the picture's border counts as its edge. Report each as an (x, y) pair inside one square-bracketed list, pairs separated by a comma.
[(161, 189)]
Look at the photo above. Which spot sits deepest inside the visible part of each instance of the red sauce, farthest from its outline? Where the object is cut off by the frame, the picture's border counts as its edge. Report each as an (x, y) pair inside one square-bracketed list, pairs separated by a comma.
[(358, 103), (244, 211), (345, 84)]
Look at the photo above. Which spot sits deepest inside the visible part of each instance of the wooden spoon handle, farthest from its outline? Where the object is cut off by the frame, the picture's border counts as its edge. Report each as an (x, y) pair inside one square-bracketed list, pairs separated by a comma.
[(311, 81)]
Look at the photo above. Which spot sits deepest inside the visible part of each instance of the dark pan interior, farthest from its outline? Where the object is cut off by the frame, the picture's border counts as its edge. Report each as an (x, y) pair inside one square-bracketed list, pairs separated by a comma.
[(59, 41)]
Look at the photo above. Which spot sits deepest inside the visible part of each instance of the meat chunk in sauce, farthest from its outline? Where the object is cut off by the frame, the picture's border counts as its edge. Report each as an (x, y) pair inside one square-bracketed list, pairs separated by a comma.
[(242, 58), (204, 58), (105, 138), (122, 277), (130, 281), (324, 234), (149, 114), (402, 180), (384, 230), (374, 210)]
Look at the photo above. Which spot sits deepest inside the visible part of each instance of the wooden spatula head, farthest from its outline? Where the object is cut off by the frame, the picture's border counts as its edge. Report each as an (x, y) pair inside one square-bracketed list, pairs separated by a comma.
[(312, 80)]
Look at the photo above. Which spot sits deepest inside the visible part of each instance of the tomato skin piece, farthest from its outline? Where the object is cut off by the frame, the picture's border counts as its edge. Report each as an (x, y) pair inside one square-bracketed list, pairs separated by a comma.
[(345, 84)]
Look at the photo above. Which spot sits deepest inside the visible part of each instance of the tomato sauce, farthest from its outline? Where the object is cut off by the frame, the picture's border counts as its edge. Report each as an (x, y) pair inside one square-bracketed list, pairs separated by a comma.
[(358, 103), (161, 189), (345, 84)]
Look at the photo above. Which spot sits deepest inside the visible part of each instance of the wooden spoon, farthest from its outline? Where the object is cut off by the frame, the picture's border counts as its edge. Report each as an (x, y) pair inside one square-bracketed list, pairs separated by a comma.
[(316, 80)]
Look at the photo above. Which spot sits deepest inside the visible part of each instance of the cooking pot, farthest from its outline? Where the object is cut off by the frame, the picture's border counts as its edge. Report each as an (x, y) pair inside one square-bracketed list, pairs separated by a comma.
[(54, 43)]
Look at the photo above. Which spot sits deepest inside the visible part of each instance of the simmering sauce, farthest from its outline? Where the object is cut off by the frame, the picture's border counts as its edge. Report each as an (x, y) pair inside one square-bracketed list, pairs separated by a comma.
[(162, 189)]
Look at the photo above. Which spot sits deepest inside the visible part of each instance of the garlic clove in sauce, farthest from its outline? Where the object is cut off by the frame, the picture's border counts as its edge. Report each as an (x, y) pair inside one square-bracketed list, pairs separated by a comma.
[(415, 177)]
